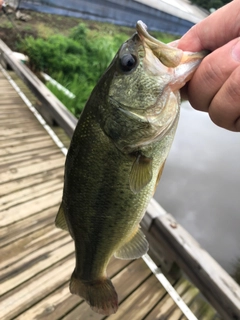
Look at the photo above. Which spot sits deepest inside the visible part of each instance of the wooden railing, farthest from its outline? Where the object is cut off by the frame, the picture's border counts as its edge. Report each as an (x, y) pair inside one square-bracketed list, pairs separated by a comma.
[(169, 242), (172, 242)]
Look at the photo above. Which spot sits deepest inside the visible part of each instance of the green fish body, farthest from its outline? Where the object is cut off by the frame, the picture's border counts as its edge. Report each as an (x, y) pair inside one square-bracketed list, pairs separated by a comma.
[(116, 158)]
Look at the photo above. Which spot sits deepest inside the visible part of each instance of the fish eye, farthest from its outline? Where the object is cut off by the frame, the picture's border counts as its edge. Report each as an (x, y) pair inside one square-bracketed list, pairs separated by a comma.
[(128, 62)]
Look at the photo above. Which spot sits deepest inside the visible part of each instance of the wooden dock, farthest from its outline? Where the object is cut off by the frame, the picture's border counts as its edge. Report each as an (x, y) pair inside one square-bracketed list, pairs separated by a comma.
[(37, 259)]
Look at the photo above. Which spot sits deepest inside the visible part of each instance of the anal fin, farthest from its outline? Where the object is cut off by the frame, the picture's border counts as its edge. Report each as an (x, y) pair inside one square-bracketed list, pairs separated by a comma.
[(60, 221), (136, 247)]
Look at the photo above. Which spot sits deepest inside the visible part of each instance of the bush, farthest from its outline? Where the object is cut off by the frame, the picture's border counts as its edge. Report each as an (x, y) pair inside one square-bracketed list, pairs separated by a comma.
[(79, 86), (76, 61)]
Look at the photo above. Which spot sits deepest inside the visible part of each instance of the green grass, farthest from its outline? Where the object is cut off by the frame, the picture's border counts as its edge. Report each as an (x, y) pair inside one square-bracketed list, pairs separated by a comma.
[(6, 24)]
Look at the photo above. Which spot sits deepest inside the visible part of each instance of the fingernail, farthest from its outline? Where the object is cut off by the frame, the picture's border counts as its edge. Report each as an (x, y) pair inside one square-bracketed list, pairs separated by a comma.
[(236, 51)]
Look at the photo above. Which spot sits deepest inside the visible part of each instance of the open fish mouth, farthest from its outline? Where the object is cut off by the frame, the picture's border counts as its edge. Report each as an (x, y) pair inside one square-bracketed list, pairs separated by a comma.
[(169, 56)]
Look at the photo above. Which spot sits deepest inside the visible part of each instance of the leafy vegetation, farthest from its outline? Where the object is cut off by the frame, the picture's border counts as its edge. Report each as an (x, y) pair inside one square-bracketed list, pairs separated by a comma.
[(76, 61), (208, 4)]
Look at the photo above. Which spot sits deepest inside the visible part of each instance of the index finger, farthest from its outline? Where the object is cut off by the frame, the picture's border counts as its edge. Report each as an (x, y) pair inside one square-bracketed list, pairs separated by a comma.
[(214, 31)]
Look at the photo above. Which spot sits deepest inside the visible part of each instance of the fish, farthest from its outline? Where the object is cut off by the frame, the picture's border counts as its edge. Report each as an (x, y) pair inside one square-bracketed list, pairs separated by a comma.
[(116, 158)]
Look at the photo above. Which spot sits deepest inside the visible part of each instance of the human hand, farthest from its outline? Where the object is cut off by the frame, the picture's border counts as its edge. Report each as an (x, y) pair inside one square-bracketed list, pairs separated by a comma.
[(215, 86)]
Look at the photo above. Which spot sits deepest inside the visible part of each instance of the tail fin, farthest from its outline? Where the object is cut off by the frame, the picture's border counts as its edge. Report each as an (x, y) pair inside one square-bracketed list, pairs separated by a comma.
[(99, 294)]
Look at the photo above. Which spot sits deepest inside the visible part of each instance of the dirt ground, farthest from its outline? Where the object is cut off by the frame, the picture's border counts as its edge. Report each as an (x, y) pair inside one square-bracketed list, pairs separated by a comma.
[(44, 25)]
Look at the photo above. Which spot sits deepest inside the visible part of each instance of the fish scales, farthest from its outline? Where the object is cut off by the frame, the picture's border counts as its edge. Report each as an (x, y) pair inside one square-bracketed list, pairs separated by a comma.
[(103, 187), (116, 158)]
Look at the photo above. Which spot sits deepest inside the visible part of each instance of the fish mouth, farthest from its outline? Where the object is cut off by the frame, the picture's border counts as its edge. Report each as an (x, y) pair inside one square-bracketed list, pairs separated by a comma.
[(169, 56)]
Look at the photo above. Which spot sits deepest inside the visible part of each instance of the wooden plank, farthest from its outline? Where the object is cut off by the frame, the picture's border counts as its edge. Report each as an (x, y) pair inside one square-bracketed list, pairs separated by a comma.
[(27, 140), (17, 254), (44, 152), (12, 107), (214, 282), (27, 147), (209, 314), (29, 208), (14, 110), (201, 309), (137, 305), (42, 259), (15, 116), (31, 227), (31, 180), (14, 97), (60, 302), (21, 196), (21, 122), (9, 109), (133, 276), (10, 134), (53, 307), (15, 146), (19, 133), (6, 90), (5, 84), (14, 253), (187, 297), (12, 143), (14, 131), (27, 294), (165, 306), (28, 125), (14, 173), (15, 158)]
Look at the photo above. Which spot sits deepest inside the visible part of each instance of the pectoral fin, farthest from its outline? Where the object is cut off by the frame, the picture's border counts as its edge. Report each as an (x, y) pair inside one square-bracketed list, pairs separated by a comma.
[(136, 247), (60, 221), (141, 173)]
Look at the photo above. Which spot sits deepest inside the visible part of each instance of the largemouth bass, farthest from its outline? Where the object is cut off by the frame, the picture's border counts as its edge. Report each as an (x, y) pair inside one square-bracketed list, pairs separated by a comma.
[(116, 158)]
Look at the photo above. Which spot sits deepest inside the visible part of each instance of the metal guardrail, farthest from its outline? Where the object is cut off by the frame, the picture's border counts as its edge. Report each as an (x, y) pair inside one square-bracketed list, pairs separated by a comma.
[(167, 238)]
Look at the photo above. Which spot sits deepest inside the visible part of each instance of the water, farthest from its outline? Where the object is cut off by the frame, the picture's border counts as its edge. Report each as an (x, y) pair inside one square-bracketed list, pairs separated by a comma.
[(200, 185)]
